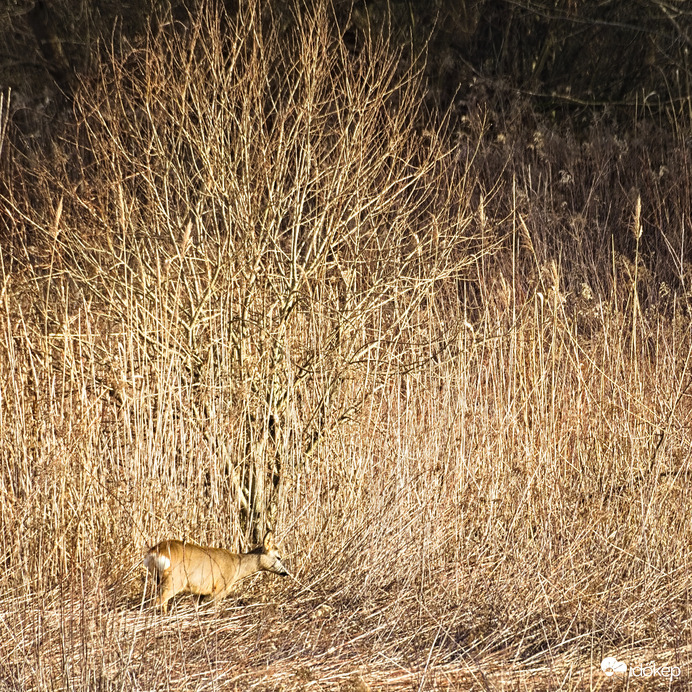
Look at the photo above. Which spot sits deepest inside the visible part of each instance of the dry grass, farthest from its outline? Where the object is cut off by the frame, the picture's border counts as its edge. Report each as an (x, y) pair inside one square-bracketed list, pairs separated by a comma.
[(255, 285)]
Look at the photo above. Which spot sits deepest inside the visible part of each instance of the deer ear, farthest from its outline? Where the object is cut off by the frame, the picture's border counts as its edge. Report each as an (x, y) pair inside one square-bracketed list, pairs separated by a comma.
[(268, 541)]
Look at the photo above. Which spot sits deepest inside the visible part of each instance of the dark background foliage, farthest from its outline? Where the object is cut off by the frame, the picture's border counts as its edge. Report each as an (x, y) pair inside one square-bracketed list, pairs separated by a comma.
[(569, 57)]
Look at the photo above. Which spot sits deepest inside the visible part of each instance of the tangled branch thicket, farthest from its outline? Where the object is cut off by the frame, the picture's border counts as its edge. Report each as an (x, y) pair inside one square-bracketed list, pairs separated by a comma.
[(254, 285)]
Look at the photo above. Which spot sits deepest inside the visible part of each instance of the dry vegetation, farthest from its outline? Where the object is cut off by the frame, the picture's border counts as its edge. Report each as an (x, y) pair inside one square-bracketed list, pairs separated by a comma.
[(447, 360)]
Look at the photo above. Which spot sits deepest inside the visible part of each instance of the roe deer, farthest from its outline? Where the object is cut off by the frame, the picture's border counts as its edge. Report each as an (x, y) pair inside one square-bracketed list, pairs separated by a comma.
[(212, 572)]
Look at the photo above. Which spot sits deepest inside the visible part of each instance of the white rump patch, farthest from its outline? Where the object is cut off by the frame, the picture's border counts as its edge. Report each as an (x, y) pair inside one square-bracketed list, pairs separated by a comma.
[(155, 562)]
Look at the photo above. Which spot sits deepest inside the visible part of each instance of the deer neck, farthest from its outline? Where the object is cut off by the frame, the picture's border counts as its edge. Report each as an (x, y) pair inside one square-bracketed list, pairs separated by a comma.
[(249, 564)]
